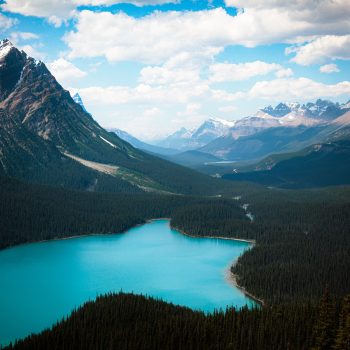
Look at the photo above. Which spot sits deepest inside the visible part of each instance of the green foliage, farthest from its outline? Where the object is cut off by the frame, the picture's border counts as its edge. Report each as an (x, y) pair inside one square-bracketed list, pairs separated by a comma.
[(324, 326), (326, 164), (342, 340), (127, 321)]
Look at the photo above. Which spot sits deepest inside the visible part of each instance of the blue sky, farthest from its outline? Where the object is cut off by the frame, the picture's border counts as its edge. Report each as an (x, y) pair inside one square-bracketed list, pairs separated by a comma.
[(152, 66)]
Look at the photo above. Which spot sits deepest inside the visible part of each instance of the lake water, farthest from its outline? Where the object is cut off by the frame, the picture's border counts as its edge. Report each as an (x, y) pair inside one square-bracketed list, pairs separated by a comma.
[(42, 282)]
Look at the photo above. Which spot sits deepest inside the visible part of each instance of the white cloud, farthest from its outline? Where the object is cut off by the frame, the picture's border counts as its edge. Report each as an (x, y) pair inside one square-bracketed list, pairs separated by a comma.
[(221, 72), (329, 68), (65, 72), (227, 109), (322, 49), (157, 37), (31, 51), (6, 22), (297, 89), (284, 73), (151, 39), (55, 11), (18, 36), (311, 11), (58, 11), (145, 109), (151, 112), (134, 2)]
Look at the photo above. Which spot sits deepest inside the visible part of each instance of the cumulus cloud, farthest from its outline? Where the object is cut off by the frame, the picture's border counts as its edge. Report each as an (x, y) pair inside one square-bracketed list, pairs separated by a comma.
[(6, 22), (284, 73), (227, 109), (311, 11), (221, 72), (297, 89), (58, 11), (322, 49), (329, 68), (65, 72), (134, 2), (18, 36), (160, 35), (31, 51)]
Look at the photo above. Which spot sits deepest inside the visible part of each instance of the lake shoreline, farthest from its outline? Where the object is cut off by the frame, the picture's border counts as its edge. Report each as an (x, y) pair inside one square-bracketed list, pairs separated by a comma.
[(231, 277)]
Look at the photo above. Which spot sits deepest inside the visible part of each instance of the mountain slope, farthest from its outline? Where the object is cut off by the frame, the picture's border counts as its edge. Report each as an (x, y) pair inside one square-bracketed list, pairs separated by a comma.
[(263, 143), (259, 135), (324, 163), (46, 137)]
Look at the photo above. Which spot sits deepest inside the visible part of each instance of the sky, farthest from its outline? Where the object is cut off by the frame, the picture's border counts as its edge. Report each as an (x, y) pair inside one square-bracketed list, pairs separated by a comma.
[(150, 67)]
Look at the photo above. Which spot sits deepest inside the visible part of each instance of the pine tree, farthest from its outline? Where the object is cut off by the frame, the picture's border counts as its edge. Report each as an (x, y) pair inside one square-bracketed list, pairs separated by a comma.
[(342, 340), (323, 333)]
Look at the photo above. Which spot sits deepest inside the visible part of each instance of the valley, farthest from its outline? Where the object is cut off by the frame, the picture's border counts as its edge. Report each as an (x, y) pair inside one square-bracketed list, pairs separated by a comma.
[(263, 200)]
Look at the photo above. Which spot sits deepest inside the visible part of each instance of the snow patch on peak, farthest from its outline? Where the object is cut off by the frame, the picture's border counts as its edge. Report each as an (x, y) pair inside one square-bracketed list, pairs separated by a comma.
[(263, 115), (224, 122), (5, 48)]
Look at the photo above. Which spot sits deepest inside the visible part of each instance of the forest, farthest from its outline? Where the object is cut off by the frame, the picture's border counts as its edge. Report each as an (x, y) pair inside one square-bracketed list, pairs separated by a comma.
[(302, 247), (126, 321)]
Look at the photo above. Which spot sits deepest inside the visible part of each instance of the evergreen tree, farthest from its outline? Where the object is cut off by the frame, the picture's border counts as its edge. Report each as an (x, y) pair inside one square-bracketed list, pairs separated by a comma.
[(324, 327), (342, 340)]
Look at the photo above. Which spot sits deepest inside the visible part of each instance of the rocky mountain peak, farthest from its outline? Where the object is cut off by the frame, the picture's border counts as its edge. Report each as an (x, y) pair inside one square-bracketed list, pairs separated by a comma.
[(5, 48), (77, 99)]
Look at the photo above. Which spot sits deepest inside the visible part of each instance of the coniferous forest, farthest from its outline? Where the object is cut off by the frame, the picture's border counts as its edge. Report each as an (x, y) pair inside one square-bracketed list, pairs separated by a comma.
[(126, 321), (301, 251)]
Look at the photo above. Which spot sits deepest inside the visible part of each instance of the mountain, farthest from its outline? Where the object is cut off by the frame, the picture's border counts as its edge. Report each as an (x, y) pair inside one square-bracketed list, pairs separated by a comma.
[(143, 145), (77, 99), (321, 164), (46, 137), (185, 139), (280, 129)]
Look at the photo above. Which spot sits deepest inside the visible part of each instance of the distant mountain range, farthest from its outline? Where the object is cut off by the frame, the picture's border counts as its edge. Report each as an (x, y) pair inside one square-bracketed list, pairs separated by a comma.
[(285, 128), (321, 164), (185, 139), (143, 145), (217, 137), (47, 137)]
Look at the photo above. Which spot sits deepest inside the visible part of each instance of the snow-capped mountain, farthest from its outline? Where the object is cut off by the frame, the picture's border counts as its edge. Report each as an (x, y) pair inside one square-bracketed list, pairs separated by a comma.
[(320, 110), (185, 139), (282, 128), (293, 114), (77, 99)]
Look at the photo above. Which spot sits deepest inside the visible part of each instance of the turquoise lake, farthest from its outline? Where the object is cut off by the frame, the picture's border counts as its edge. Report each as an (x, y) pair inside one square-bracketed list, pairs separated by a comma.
[(42, 282)]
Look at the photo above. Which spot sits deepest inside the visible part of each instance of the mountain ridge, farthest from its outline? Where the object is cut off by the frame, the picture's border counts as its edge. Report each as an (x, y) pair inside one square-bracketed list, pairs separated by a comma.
[(46, 137)]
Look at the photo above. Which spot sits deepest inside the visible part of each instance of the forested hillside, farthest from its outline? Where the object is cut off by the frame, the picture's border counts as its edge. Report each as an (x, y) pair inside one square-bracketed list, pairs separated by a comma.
[(126, 321), (300, 235), (323, 164)]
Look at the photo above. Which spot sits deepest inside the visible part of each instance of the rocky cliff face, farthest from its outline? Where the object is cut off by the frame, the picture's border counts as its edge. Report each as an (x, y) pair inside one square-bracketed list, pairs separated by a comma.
[(46, 137)]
